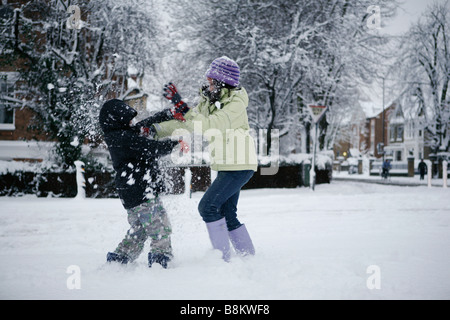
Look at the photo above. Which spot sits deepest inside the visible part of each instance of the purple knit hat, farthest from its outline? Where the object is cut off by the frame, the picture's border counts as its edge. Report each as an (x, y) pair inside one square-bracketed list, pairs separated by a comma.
[(224, 69)]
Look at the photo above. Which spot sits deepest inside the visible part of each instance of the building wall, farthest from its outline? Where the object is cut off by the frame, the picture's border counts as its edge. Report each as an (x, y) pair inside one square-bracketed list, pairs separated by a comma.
[(374, 132), (22, 130)]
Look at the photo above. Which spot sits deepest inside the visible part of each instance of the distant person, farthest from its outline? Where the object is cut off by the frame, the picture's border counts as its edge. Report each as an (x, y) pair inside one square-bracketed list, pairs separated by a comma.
[(422, 169), (385, 168)]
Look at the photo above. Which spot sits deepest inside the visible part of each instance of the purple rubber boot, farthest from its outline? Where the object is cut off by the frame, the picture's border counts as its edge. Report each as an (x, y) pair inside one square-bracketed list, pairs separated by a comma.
[(241, 241), (218, 234)]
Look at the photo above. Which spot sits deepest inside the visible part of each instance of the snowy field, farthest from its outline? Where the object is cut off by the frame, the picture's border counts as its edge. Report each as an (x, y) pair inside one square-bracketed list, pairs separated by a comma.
[(345, 240)]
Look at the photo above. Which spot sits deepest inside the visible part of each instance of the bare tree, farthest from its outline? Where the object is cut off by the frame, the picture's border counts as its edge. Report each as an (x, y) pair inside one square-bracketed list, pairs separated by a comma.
[(424, 69), (291, 53)]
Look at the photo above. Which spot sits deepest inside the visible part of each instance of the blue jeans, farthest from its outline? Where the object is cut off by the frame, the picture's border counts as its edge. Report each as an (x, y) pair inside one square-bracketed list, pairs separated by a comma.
[(221, 198)]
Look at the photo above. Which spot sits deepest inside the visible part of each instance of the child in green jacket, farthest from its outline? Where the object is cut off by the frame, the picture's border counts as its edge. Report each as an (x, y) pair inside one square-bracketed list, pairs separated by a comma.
[(222, 116)]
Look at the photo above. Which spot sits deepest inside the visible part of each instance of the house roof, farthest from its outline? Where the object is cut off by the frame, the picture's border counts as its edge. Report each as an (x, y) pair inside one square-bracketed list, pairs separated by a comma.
[(373, 111)]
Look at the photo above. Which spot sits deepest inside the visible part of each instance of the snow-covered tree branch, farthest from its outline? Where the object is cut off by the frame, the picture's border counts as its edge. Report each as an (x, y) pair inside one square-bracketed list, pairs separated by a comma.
[(68, 72), (291, 53), (424, 71)]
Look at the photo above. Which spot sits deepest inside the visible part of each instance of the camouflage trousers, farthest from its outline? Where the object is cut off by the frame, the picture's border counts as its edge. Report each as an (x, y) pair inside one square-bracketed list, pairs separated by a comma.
[(149, 220)]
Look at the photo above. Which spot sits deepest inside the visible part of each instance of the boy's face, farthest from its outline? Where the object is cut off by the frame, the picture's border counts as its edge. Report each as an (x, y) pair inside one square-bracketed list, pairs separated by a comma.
[(133, 122)]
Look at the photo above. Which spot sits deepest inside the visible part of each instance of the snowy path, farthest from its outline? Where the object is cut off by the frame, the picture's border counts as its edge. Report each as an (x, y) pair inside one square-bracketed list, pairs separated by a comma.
[(310, 245)]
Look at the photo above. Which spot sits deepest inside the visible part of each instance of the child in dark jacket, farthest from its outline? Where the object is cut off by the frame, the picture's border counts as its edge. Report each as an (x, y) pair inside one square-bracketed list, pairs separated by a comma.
[(138, 181)]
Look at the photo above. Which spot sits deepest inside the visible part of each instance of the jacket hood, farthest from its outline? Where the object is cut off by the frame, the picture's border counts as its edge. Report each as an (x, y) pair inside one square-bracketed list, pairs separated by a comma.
[(116, 114), (240, 93)]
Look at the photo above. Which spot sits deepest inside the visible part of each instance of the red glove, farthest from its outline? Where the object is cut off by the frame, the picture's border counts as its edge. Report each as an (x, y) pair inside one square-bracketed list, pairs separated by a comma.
[(180, 107), (147, 132), (184, 146)]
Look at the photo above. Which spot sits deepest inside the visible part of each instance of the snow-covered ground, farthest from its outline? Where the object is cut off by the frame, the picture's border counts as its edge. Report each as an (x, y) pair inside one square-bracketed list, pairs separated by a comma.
[(345, 240)]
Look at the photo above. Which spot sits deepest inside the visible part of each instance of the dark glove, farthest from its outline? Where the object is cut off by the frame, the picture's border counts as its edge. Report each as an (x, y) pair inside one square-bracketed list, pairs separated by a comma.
[(180, 107)]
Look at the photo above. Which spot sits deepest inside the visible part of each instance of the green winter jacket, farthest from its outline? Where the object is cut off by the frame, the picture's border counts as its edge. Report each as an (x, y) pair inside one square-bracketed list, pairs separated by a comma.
[(225, 125)]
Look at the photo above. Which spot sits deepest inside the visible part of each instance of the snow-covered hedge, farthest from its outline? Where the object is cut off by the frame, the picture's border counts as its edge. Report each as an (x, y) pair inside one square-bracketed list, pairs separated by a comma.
[(47, 179)]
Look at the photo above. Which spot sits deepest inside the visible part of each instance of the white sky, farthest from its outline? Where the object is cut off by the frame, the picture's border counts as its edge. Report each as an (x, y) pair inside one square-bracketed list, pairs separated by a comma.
[(409, 12)]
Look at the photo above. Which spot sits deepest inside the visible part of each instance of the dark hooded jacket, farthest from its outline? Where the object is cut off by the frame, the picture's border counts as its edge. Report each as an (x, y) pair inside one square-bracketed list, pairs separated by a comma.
[(134, 157)]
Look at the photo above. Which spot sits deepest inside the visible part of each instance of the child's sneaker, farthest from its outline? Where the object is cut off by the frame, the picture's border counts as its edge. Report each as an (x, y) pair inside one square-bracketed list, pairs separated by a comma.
[(115, 257), (160, 258)]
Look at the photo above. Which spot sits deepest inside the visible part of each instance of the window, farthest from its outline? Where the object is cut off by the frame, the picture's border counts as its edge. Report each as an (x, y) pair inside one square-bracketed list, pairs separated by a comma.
[(409, 130), (7, 81), (399, 133), (392, 133), (396, 133)]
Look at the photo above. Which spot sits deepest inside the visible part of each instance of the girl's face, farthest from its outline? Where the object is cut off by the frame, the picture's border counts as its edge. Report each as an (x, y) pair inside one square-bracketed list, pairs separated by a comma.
[(211, 85)]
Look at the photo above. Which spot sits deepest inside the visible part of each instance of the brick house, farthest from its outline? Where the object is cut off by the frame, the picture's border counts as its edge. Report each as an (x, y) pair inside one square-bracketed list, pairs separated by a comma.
[(406, 136), (403, 138), (376, 134), (18, 141), (366, 135)]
